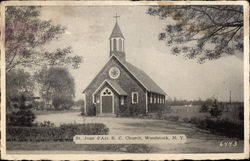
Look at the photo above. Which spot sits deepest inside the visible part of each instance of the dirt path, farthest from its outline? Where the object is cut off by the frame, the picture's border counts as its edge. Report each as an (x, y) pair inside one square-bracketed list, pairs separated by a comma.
[(198, 141)]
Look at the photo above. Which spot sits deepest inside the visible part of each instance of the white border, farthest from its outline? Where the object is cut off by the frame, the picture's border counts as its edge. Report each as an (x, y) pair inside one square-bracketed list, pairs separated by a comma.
[(131, 156)]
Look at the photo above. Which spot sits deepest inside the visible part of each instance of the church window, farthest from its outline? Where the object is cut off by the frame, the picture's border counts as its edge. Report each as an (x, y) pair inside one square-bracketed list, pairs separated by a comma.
[(134, 97), (122, 100), (120, 44), (158, 99), (151, 99), (114, 45), (114, 72), (154, 98)]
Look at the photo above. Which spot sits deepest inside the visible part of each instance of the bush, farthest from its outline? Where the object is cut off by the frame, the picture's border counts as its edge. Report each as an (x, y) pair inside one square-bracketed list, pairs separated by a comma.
[(241, 115), (46, 124), (173, 118), (124, 111), (215, 112), (82, 109), (23, 116), (194, 120), (204, 108), (160, 111), (92, 110), (62, 103), (186, 120), (220, 126), (224, 126), (136, 110), (65, 132)]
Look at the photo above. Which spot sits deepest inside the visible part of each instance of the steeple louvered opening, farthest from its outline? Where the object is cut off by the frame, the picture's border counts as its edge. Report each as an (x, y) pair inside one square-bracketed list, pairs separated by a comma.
[(117, 43)]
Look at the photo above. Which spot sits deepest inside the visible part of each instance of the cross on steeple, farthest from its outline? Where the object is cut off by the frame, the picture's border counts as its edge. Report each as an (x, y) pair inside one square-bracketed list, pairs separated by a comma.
[(116, 16)]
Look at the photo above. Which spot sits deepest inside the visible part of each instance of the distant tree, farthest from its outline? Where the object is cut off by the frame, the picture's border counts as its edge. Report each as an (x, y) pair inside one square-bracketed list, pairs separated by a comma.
[(202, 32), (18, 83), (25, 37), (56, 86), (23, 116), (215, 111), (80, 103), (204, 108)]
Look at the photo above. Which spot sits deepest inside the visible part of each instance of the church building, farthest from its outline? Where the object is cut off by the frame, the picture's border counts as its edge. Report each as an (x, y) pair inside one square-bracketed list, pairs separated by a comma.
[(120, 86)]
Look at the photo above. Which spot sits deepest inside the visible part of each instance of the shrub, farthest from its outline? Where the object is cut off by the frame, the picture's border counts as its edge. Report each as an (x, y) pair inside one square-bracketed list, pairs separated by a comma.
[(23, 116), (160, 111), (194, 120), (204, 108), (65, 132), (173, 118), (46, 124), (215, 112), (92, 110), (124, 111), (241, 115), (224, 126), (82, 109), (62, 103), (135, 110), (186, 120)]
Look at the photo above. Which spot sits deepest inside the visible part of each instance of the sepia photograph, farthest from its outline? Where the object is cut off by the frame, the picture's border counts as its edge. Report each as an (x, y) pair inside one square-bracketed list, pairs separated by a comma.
[(124, 79)]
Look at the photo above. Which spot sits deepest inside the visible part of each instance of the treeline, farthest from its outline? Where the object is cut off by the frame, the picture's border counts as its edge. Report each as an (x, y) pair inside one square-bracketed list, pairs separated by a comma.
[(176, 102)]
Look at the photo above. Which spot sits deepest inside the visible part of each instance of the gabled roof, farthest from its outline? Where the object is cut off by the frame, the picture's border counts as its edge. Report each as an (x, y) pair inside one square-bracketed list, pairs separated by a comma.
[(144, 78), (140, 75), (114, 85), (116, 31), (117, 88)]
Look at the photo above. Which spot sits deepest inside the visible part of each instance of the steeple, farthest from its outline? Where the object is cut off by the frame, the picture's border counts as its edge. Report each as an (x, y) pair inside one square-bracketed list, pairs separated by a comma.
[(117, 42)]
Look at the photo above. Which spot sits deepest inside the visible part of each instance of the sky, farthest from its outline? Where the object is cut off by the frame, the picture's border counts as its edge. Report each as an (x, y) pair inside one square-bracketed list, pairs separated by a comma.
[(88, 31)]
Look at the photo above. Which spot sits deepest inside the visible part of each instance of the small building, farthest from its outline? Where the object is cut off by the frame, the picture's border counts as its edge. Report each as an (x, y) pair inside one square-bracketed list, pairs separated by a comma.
[(121, 86)]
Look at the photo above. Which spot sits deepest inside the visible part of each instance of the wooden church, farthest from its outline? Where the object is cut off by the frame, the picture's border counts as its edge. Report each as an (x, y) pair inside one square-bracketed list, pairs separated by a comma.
[(120, 86)]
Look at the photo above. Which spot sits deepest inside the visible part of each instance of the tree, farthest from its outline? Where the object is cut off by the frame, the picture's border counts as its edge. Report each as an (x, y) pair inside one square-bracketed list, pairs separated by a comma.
[(215, 111), (18, 83), (23, 116), (80, 103), (25, 37), (202, 32), (204, 108), (57, 87)]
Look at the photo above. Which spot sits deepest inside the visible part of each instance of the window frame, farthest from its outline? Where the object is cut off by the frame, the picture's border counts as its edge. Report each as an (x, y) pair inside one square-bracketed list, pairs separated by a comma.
[(137, 96), (122, 100)]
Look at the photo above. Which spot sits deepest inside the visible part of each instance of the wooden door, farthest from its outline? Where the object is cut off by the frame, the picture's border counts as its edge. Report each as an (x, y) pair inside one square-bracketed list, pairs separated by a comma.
[(107, 104)]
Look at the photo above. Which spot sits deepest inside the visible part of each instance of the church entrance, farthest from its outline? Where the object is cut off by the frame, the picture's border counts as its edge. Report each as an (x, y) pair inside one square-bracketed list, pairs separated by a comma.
[(106, 104), (107, 101)]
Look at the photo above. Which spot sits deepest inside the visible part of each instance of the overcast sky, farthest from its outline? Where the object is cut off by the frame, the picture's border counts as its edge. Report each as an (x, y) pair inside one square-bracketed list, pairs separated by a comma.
[(88, 31)]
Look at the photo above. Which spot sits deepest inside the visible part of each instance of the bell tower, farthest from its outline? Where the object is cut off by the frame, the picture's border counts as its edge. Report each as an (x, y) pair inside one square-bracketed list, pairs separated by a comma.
[(117, 42)]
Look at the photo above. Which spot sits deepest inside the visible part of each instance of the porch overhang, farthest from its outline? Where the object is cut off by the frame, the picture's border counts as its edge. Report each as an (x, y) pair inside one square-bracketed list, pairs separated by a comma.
[(113, 85)]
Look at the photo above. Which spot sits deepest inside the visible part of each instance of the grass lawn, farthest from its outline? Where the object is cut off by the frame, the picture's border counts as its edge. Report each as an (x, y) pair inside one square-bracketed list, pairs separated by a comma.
[(198, 140), (71, 146)]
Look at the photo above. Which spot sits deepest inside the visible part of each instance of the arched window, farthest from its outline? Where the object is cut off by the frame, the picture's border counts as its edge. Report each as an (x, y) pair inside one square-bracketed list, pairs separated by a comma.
[(114, 45), (120, 44)]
